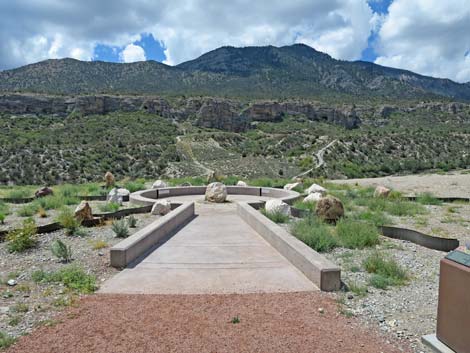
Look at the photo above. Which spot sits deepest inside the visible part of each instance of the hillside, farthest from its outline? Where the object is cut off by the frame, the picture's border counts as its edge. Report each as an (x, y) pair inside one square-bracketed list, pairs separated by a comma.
[(251, 72)]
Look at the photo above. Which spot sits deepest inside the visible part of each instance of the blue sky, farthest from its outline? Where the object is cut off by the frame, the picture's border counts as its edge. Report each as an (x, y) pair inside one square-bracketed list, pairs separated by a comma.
[(429, 37)]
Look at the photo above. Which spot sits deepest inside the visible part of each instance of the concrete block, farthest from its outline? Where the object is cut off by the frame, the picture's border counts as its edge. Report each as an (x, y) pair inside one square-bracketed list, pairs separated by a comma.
[(322, 272)]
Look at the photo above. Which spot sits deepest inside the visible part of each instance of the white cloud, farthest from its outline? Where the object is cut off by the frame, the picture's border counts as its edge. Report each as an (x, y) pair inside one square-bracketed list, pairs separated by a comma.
[(132, 53), (32, 30), (427, 36)]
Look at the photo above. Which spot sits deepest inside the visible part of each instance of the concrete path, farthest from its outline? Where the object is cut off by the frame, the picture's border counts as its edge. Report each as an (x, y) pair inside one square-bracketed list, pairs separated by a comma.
[(217, 252)]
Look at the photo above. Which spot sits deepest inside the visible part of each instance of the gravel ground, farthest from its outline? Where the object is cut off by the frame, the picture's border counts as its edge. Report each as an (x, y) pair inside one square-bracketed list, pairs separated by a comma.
[(294, 322), (24, 306)]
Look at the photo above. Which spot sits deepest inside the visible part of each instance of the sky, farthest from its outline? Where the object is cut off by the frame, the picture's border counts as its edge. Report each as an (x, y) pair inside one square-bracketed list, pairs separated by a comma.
[(430, 37)]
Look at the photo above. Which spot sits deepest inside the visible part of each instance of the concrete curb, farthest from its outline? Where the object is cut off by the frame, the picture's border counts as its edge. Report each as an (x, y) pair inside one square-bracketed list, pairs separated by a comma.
[(149, 196), (140, 242), (322, 272)]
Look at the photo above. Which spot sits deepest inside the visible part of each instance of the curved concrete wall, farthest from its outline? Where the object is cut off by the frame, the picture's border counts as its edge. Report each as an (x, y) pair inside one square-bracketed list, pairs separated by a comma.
[(148, 197)]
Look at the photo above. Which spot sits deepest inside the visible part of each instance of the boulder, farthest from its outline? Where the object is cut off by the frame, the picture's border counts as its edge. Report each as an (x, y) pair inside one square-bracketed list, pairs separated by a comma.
[(382, 191), (241, 183), (83, 211), (292, 186), (315, 188), (330, 209), (161, 207), (277, 206), (43, 192), (313, 197), (159, 184), (213, 177), (216, 192), (114, 196), (109, 179), (186, 183)]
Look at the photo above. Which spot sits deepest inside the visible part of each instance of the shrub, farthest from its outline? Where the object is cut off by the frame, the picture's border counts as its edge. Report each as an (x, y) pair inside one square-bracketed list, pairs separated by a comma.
[(2, 218), (404, 208), (276, 217), (67, 219), (19, 194), (315, 234), (427, 198), (355, 234), (377, 218), (134, 186), (4, 209), (98, 244), (71, 276), (42, 212), (386, 272), (61, 250), (6, 340), (306, 206), (28, 210), (120, 228), (357, 289), (109, 207), (22, 238), (132, 221)]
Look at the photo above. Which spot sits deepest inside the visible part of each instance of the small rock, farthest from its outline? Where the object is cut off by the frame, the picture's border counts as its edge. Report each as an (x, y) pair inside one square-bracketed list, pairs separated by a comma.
[(159, 184), (350, 296), (43, 192), (4, 309), (242, 183), (382, 191), (12, 282), (315, 188), (292, 186), (100, 253), (313, 197), (321, 310)]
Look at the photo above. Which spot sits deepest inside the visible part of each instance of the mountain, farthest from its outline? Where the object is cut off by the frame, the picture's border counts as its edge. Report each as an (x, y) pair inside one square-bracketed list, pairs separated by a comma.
[(251, 72)]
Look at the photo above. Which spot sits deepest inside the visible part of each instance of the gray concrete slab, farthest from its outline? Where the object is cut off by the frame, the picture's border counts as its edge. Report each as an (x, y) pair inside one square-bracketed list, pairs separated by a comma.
[(437, 346), (217, 252)]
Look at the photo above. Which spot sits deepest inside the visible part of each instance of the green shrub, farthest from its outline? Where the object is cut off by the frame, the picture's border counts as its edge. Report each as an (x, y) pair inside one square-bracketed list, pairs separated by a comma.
[(276, 217), (386, 272), (19, 194), (4, 208), (356, 235), (315, 234), (22, 238), (132, 221), (427, 198), (61, 250), (377, 218), (28, 210), (404, 208), (71, 276), (67, 219), (306, 206), (120, 228), (109, 207), (230, 180), (134, 186), (357, 289), (6, 340), (2, 218)]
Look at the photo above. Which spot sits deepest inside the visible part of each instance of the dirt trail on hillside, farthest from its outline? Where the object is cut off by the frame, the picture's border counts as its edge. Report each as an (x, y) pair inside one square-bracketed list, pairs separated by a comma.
[(205, 323), (445, 185)]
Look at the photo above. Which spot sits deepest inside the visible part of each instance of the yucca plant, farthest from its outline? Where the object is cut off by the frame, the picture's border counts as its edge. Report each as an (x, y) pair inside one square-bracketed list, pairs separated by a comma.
[(132, 221)]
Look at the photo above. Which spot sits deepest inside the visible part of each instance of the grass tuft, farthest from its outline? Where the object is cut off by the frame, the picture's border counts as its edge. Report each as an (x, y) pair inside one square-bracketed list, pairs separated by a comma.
[(315, 234), (386, 272), (356, 235)]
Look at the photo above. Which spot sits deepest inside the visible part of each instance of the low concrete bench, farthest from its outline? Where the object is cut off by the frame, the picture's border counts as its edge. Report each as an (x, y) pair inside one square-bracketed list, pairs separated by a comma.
[(145, 239), (321, 271)]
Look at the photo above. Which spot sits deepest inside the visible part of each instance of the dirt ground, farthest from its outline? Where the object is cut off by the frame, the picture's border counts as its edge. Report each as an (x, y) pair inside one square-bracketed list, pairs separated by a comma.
[(293, 322), (455, 184)]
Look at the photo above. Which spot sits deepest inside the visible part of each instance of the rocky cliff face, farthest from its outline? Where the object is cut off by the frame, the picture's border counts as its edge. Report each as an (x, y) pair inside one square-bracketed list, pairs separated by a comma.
[(224, 114)]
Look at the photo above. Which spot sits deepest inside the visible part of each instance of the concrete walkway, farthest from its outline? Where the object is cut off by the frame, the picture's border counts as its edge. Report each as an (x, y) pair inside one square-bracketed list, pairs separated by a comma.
[(217, 252)]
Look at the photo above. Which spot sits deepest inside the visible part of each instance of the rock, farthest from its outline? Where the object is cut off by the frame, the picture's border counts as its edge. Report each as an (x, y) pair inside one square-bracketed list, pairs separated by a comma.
[(314, 197), (114, 196), (4, 309), (292, 186), (382, 191), (241, 183), (161, 207), (212, 177), (321, 310), (109, 179), (186, 184), (216, 192), (315, 188), (12, 282), (43, 192), (83, 211), (330, 209), (159, 184), (277, 206), (121, 192)]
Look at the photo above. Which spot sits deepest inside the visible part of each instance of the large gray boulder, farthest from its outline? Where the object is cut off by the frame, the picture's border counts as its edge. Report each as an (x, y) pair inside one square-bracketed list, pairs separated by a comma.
[(159, 184), (216, 192), (315, 188)]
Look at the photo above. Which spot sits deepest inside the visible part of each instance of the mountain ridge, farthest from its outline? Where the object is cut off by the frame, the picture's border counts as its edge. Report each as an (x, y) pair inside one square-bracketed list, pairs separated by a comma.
[(259, 72)]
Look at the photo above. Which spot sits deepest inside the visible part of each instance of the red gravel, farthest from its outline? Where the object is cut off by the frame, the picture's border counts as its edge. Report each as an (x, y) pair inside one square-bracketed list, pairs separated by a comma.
[(202, 323)]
